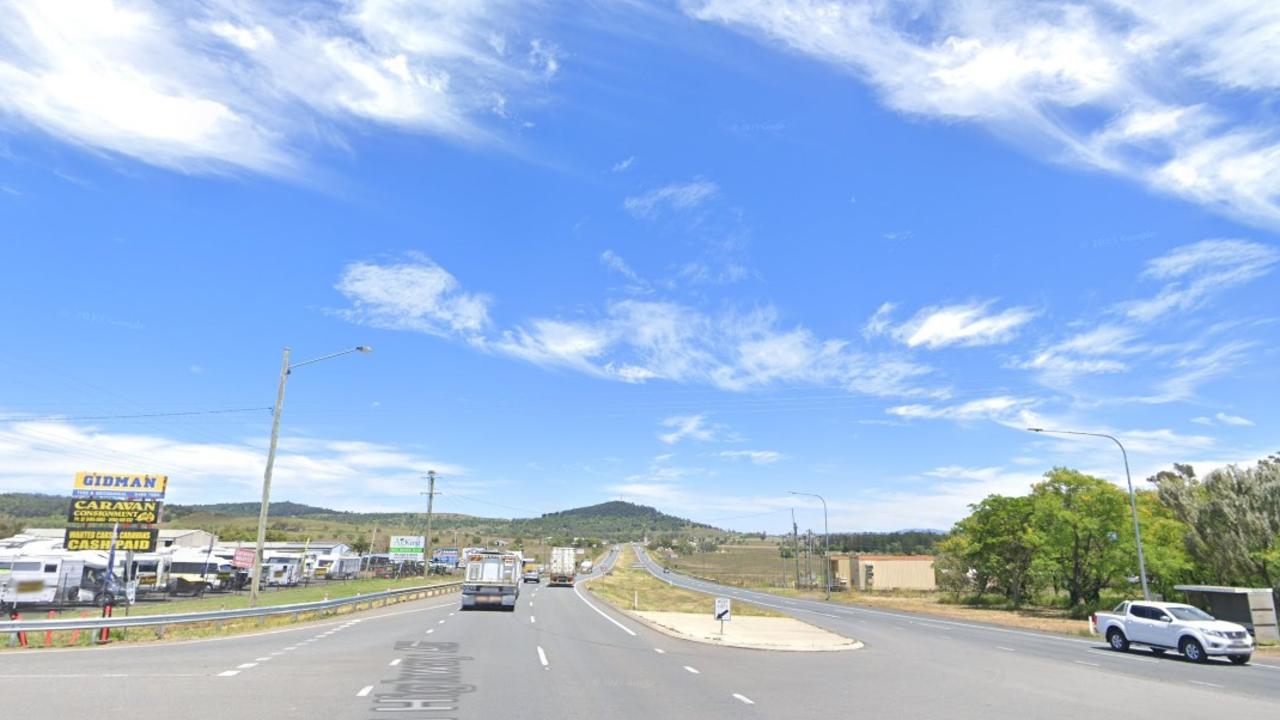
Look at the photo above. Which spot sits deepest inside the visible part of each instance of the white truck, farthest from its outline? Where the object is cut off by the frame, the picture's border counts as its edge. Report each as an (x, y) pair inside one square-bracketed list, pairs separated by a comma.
[(585, 567), (564, 561), (492, 580), (1163, 626)]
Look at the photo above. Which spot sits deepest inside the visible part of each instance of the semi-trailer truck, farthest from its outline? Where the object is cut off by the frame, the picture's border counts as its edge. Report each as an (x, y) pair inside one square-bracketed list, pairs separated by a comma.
[(564, 562)]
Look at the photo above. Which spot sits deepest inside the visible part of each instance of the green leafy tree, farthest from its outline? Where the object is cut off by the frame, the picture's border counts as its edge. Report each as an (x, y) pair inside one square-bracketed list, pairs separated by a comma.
[(1233, 520), (1080, 521), (1000, 543), (952, 567), (1165, 548)]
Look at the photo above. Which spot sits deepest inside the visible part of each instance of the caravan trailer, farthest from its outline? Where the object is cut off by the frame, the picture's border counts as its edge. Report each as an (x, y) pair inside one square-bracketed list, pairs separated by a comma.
[(194, 572), (61, 579)]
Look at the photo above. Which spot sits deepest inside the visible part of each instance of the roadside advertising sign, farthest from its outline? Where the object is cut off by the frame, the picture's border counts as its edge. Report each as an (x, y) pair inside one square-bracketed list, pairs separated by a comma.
[(407, 545), (447, 556), (243, 558), (119, 487), (142, 541), (95, 511)]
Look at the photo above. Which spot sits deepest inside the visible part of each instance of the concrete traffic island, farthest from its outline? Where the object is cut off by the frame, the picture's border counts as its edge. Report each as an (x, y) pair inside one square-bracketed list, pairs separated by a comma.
[(745, 631)]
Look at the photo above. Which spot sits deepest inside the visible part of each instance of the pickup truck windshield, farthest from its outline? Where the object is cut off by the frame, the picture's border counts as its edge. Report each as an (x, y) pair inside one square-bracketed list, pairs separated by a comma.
[(1189, 613)]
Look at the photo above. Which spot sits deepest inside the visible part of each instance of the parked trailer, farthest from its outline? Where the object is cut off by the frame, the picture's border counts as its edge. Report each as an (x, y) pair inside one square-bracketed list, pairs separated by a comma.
[(338, 567), (195, 572), (61, 579)]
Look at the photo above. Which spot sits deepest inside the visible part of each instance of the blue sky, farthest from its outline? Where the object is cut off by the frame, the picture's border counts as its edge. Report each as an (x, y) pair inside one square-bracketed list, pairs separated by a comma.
[(692, 255)]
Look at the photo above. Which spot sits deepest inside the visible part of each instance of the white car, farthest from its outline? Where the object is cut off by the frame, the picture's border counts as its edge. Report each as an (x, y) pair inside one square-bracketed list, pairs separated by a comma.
[(1163, 626)]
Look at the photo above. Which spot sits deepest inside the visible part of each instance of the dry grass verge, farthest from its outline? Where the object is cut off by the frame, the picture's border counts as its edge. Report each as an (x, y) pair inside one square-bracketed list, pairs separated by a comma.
[(629, 588)]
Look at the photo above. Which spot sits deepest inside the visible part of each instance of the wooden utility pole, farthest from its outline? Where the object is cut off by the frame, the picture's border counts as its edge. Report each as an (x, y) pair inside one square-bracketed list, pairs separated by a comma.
[(795, 545), (431, 496)]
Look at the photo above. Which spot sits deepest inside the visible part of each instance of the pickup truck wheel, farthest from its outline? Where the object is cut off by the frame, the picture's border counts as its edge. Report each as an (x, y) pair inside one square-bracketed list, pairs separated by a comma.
[(1240, 659), (1117, 640), (1192, 650)]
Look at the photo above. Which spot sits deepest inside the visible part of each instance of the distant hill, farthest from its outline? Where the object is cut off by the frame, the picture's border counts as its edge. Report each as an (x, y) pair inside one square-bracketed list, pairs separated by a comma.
[(615, 520)]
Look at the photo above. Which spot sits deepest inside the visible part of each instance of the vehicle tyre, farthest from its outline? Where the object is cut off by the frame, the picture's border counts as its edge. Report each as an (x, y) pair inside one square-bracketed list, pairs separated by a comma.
[(1240, 659), (103, 599), (1117, 640), (1192, 650)]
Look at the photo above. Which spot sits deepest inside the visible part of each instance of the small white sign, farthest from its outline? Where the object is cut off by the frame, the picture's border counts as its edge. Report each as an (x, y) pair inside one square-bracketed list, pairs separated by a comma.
[(724, 611)]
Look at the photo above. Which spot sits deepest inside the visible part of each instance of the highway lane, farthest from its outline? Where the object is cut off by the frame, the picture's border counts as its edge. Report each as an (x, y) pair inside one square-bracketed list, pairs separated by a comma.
[(919, 639), (563, 654)]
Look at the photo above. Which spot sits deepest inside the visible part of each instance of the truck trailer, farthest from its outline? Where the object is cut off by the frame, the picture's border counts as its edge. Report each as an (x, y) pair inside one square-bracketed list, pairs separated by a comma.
[(564, 562)]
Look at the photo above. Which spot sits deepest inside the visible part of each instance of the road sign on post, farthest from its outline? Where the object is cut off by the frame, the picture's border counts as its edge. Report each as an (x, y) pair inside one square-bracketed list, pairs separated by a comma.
[(724, 612)]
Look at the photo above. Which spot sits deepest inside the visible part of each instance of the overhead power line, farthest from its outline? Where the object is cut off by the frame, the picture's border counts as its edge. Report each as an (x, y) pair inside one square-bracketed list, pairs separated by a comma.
[(31, 418)]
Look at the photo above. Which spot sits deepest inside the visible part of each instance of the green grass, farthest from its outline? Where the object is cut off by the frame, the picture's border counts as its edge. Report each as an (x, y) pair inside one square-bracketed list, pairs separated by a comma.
[(630, 588), (313, 592), (186, 631)]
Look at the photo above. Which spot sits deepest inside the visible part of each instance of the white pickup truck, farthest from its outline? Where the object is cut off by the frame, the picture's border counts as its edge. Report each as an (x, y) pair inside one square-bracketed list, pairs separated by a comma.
[(1163, 626)]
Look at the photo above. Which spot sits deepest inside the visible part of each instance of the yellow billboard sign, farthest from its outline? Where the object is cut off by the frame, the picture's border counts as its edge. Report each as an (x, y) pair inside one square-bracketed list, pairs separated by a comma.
[(120, 486), (97, 511)]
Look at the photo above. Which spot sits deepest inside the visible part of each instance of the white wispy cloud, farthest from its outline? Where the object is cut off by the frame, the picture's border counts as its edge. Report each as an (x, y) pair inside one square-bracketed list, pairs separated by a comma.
[(345, 473), (1235, 420), (1001, 407), (674, 196), (687, 427), (1097, 83), (227, 85), (614, 262), (624, 165), (759, 457), (1194, 273), (416, 294), (966, 325)]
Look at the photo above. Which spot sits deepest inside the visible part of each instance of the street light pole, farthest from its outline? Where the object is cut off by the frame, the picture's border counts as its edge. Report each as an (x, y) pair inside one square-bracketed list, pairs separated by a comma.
[(826, 541), (255, 575), (1133, 501)]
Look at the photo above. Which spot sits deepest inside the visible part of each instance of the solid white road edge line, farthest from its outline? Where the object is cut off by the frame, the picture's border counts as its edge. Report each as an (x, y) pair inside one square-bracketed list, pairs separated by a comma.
[(603, 614)]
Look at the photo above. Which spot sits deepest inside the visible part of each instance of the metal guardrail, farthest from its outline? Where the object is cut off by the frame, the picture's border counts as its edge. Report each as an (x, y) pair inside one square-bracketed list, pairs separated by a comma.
[(121, 621)]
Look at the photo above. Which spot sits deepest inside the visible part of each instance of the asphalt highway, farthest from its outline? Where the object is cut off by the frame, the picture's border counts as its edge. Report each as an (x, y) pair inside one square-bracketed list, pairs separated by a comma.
[(563, 654)]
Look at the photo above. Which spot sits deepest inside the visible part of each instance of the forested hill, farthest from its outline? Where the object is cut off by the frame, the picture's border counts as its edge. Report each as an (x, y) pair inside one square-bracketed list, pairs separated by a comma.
[(616, 520)]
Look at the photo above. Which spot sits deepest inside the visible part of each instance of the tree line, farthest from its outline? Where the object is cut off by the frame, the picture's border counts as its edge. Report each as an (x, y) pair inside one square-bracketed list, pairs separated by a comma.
[(1072, 537)]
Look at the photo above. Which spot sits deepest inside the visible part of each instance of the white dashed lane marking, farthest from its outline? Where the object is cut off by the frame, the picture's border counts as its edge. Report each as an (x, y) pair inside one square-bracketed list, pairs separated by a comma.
[(394, 663), (660, 651), (246, 666), (692, 670), (542, 656), (533, 619), (744, 699), (365, 691), (228, 673)]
